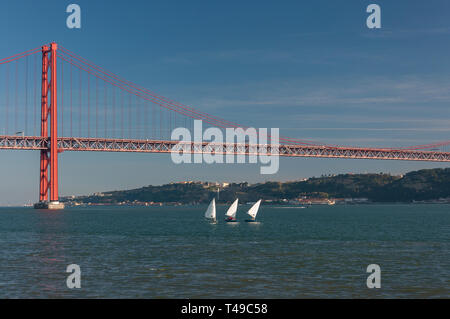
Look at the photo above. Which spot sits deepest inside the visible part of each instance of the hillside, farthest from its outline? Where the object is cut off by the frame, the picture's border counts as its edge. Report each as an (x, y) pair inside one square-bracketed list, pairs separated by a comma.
[(422, 185)]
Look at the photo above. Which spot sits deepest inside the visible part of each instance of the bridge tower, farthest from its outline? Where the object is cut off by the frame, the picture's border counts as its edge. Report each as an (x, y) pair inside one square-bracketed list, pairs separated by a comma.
[(49, 123)]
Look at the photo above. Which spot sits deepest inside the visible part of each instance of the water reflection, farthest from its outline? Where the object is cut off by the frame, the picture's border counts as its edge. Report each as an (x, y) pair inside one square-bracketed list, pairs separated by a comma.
[(49, 258)]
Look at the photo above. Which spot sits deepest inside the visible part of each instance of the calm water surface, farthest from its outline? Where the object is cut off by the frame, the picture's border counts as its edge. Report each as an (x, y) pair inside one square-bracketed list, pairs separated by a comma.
[(171, 252)]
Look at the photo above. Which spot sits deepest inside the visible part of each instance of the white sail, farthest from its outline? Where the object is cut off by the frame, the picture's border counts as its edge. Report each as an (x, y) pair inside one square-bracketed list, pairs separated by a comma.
[(211, 211), (254, 209), (231, 212)]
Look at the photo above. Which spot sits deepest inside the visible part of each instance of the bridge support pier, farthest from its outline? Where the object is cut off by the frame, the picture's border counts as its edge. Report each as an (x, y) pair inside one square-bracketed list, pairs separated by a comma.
[(49, 109), (49, 205)]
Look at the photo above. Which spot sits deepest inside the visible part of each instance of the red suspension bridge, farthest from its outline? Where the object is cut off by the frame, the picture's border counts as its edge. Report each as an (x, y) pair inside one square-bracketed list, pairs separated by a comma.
[(71, 104)]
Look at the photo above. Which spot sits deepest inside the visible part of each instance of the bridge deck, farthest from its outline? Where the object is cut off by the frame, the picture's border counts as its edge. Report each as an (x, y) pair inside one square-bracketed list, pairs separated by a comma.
[(161, 146)]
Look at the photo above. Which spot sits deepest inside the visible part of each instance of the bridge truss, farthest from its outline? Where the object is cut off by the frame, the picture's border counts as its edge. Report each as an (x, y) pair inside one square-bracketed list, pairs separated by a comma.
[(162, 146)]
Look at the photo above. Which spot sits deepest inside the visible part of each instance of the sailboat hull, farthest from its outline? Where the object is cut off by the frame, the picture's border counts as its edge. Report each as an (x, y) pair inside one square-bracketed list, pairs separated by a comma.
[(231, 220), (250, 221)]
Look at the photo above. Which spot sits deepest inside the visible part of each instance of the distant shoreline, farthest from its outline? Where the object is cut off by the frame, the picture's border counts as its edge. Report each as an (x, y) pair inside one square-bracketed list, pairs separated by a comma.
[(265, 205), (426, 186)]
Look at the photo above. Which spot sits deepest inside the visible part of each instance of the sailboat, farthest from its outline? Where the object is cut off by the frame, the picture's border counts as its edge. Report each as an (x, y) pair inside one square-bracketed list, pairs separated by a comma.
[(253, 211), (211, 211), (231, 212)]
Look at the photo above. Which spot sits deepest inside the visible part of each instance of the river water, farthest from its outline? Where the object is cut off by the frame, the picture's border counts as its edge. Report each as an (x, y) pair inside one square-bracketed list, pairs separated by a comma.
[(172, 252)]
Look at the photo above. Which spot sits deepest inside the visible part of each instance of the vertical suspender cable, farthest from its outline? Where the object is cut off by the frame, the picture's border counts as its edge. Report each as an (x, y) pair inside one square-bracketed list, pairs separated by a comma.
[(129, 115), (121, 114), (80, 103), (7, 100), (153, 121), (89, 107), (61, 105), (138, 116), (16, 102), (170, 123), (105, 100), (35, 81), (26, 96), (114, 106), (96, 107), (71, 101)]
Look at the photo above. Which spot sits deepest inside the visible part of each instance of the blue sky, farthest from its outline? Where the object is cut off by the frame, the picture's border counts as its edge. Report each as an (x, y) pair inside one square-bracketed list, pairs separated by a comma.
[(311, 68)]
